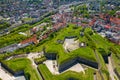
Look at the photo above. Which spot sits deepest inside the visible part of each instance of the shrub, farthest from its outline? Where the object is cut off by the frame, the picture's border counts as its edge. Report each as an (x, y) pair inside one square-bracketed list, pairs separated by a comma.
[(40, 60)]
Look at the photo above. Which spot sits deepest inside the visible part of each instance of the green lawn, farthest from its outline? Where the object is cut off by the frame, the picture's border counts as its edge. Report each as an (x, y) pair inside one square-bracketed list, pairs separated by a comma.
[(40, 59), (66, 75), (101, 42), (94, 40), (86, 53), (22, 64), (104, 69)]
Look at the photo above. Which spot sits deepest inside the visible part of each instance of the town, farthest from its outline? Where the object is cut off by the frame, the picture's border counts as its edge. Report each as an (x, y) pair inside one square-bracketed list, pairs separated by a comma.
[(60, 40)]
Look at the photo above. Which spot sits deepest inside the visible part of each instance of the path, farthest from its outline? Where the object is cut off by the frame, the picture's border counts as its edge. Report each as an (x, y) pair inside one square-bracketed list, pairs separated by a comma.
[(99, 65), (111, 70), (95, 77), (31, 56)]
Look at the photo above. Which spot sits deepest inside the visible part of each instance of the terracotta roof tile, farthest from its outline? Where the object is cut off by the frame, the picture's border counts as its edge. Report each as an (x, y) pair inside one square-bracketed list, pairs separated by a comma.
[(32, 39)]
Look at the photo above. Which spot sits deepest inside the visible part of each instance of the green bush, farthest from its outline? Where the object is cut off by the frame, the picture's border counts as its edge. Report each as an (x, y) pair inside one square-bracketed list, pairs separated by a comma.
[(40, 60)]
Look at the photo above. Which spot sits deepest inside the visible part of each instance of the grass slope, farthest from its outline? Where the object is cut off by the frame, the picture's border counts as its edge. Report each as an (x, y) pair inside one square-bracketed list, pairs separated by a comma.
[(66, 75), (22, 64)]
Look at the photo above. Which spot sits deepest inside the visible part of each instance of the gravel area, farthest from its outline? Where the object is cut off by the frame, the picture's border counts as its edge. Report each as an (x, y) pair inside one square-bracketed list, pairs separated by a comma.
[(70, 44)]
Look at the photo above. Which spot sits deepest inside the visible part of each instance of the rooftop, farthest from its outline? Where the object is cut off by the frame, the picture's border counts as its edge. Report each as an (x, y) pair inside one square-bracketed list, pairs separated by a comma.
[(29, 40)]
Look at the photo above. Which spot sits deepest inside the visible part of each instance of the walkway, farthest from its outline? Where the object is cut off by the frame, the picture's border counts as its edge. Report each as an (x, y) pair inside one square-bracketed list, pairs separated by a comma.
[(99, 64), (111, 70), (31, 56)]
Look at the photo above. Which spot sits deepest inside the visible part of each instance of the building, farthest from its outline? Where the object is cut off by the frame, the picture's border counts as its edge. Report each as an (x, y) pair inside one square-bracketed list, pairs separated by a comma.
[(29, 41)]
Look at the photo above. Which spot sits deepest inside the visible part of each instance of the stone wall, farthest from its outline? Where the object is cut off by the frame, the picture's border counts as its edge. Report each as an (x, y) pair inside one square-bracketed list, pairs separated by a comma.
[(67, 64), (88, 62), (73, 61), (51, 56), (11, 71)]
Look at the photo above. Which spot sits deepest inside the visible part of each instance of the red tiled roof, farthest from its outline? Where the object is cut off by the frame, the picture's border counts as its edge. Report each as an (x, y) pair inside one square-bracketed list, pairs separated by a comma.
[(112, 19), (32, 39)]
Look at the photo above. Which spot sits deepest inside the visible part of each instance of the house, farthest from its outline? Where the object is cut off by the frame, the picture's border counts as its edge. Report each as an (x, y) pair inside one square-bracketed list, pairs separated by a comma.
[(58, 26), (33, 39), (115, 40)]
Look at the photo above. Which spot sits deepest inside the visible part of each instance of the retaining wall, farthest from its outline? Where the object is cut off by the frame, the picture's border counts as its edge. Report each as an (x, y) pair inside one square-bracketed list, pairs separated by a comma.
[(51, 56), (72, 62), (11, 71), (67, 64)]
